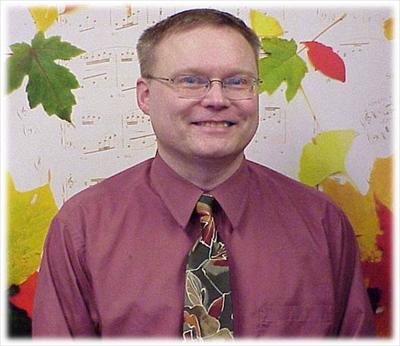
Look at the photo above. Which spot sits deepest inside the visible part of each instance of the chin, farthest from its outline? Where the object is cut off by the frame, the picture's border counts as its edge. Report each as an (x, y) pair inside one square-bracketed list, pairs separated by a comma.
[(216, 155)]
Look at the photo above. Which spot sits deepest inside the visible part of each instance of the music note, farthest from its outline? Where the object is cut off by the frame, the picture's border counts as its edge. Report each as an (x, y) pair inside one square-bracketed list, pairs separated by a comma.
[(123, 19), (99, 69), (97, 58), (376, 121), (67, 187), (131, 120), (29, 130), (90, 119), (107, 143), (142, 142), (66, 141), (355, 46), (273, 125), (87, 24), (37, 163)]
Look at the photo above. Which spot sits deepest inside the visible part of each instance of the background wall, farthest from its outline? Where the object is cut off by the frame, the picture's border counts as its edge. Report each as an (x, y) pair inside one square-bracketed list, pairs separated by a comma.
[(334, 135)]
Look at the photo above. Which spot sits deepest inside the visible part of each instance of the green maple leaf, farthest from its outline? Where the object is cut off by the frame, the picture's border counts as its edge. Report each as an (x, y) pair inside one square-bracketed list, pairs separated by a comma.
[(281, 64), (49, 84)]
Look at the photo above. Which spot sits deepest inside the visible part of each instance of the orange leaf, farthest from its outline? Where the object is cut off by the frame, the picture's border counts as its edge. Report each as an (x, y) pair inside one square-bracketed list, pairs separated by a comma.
[(388, 28), (192, 321), (71, 8), (326, 60)]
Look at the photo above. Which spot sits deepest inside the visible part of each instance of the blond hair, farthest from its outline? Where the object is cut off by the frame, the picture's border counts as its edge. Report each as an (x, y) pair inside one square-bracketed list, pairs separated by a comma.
[(188, 20)]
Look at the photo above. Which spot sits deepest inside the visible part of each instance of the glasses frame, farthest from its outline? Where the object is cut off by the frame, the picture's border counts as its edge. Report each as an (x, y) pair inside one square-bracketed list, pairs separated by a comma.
[(255, 84)]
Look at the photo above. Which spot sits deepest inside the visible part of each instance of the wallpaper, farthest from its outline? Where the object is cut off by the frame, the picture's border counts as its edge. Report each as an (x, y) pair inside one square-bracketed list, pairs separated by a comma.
[(325, 119)]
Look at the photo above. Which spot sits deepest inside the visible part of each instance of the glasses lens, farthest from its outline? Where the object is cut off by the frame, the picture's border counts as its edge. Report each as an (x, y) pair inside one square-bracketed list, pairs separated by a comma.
[(234, 88), (240, 87), (191, 85)]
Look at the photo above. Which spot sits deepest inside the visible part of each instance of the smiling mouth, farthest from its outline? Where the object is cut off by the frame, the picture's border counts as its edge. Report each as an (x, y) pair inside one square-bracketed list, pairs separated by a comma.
[(215, 124)]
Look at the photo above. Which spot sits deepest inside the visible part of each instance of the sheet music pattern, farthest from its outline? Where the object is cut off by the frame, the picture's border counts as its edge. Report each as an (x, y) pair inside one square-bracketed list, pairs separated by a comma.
[(109, 132)]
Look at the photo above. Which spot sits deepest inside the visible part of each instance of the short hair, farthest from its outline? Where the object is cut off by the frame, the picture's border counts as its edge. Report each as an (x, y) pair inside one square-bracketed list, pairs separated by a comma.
[(187, 20)]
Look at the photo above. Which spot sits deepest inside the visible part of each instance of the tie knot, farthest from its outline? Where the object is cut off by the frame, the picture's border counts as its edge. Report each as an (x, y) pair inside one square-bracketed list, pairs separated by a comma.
[(205, 204)]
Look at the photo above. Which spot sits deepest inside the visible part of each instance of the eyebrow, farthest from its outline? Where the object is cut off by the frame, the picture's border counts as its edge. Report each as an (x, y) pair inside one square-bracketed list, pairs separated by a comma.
[(194, 71)]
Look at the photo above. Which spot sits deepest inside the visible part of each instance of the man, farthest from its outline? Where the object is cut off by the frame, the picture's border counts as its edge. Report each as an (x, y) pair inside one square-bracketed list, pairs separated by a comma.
[(199, 242)]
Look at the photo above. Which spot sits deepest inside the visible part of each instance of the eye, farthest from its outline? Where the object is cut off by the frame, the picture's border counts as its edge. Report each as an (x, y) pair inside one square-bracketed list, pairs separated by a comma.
[(237, 81), (191, 81)]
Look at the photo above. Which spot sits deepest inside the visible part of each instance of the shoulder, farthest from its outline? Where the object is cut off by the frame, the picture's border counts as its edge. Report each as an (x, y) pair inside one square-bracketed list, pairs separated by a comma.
[(113, 190), (301, 208), (288, 197), (272, 181)]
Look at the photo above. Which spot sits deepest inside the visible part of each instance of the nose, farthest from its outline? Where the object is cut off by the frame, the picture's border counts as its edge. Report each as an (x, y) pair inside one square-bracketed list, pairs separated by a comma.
[(215, 96)]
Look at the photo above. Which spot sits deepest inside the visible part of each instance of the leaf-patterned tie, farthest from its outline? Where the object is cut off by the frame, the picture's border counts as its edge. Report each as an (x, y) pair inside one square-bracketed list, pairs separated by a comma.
[(208, 304)]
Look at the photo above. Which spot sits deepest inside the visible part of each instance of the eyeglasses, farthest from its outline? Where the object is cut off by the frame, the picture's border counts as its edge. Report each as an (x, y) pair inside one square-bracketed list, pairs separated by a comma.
[(239, 87)]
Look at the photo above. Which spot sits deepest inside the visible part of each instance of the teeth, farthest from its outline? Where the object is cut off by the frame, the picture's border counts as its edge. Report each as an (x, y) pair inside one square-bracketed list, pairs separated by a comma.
[(214, 123)]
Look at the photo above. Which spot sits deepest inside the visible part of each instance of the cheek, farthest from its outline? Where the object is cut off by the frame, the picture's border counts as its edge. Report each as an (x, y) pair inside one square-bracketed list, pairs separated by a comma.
[(251, 111)]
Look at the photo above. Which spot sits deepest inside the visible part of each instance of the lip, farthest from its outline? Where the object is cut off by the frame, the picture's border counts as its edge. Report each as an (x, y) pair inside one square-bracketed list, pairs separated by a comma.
[(214, 123), (203, 129)]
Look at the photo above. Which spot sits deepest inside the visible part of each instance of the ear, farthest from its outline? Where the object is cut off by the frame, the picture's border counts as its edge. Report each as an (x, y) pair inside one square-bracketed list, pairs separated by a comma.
[(143, 95)]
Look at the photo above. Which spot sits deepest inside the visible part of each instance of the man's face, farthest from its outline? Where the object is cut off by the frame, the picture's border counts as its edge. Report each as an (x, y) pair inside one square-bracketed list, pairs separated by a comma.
[(190, 129)]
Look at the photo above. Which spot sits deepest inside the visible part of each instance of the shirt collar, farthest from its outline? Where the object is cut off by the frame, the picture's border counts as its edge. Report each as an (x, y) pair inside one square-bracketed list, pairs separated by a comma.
[(180, 196), (232, 194)]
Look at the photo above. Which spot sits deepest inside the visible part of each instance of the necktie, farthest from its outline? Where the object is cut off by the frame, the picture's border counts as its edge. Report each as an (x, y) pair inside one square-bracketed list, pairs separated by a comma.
[(208, 304)]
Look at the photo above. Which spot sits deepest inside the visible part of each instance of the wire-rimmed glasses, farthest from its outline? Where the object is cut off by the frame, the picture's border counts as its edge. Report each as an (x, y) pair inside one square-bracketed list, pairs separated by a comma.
[(238, 87)]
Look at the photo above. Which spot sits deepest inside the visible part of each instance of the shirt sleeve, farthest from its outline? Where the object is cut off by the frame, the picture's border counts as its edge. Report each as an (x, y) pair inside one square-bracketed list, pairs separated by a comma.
[(63, 303), (354, 311)]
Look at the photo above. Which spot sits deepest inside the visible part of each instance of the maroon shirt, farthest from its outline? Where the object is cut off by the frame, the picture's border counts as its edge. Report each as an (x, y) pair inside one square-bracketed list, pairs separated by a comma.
[(115, 257)]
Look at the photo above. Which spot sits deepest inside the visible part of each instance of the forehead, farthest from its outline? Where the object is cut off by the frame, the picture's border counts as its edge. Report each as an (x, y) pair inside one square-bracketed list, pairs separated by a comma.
[(205, 49)]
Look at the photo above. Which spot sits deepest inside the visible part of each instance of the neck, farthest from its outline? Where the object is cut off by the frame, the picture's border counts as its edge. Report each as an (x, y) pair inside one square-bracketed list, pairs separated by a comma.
[(203, 172)]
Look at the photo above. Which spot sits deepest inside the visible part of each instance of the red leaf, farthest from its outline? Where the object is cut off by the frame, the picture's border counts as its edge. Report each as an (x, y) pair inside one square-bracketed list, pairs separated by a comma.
[(216, 306), (24, 298), (384, 216), (207, 233), (220, 262), (326, 60), (379, 274)]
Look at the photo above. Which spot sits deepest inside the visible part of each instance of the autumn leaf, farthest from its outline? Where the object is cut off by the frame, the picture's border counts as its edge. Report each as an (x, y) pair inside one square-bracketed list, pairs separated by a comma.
[(49, 84), (68, 9), (388, 28), (379, 273), (372, 222), (263, 25), (324, 59), (43, 17), (281, 64), (216, 307), (361, 213), (24, 298), (28, 219), (324, 155), (381, 181), (193, 289)]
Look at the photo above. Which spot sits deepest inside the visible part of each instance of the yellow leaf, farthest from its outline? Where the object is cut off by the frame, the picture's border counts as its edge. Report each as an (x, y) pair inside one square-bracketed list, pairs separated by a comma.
[(43, 17), (360, 209), (361, 213), (324, 156), (388, 28), (28, 218), (263, 25), (381, 181)]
